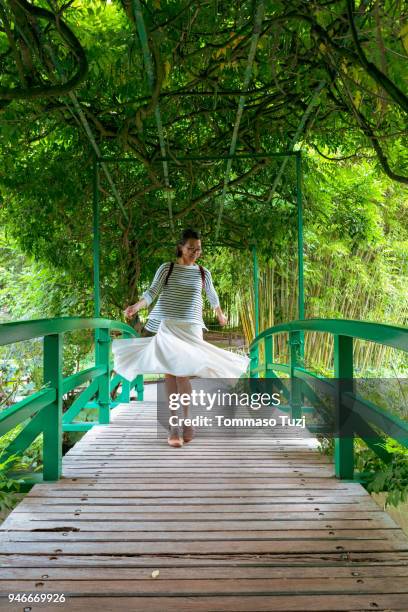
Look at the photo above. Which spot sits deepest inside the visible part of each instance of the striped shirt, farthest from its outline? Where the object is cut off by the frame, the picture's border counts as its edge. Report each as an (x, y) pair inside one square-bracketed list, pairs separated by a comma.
[(181, 299)]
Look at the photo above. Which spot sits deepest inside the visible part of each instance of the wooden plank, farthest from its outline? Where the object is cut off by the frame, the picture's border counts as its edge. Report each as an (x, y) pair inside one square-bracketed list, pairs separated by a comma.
[(183, 476), (185, 500), (248, 546), (118, 457), (208, 482), (212, 454), (259, 603), (155, 445), (153, 450), (169, 505), (140, 491), (104, 535), (106, 513), (212, 587), (288, 497), (189, 573), (351, 560), (190, 471), (150, 450), (118, 460), (26, 523)]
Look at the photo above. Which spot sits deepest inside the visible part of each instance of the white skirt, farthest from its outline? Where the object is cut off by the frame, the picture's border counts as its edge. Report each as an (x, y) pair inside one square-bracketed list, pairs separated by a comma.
[(177, 348)]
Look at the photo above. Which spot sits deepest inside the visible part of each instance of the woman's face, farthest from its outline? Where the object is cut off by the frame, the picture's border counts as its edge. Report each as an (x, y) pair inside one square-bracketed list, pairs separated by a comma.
[(191, 250)]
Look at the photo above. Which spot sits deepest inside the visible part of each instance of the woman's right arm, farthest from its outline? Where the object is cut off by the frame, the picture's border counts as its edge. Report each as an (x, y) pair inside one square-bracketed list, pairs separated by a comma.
[(151, 293)]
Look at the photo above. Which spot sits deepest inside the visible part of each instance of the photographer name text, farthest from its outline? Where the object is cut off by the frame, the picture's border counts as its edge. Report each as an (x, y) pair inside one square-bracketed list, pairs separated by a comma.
[(223, 421)]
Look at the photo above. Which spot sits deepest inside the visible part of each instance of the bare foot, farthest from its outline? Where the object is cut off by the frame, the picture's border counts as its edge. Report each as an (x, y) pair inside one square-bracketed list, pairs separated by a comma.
[(188, 433), (175, 438)]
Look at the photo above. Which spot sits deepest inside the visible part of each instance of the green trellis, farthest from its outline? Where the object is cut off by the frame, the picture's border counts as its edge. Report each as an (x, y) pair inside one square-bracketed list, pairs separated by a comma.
[(98, 161)]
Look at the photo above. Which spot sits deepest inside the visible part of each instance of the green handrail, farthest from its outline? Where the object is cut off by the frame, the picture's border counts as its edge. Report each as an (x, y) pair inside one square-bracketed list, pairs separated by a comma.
[(17, 331), (360, 413), (44, 407), (389, 335)]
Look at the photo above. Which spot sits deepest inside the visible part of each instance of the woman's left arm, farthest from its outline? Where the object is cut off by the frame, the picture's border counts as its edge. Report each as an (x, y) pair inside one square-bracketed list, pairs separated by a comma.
[(213, 297)]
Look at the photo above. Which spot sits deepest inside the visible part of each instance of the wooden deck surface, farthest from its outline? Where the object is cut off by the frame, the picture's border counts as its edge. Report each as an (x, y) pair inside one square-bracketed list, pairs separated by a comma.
[(218, 525)]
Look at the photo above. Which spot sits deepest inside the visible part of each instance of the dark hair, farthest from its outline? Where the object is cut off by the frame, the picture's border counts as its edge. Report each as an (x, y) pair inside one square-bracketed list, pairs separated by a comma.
[(186, 235)]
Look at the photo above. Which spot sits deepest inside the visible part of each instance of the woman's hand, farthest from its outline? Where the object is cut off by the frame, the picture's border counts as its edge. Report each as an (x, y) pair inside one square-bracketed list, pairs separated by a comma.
[(131, 310), (222, 319)]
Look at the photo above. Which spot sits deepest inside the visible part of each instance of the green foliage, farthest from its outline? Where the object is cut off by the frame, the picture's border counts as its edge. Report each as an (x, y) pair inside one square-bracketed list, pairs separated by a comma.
[(199, 58), (8, 486), (326, 445), (30, 460), (20, 370), (30, 289), (391, 477)]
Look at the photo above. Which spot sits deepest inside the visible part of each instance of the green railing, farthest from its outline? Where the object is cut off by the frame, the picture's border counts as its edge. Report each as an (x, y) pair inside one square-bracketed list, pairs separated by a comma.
[(44, 407), (360, 414)]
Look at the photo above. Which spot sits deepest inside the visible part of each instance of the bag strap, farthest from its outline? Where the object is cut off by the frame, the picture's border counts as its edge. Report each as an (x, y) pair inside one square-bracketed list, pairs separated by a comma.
[(169, 272), (202, 272), (202, 275)]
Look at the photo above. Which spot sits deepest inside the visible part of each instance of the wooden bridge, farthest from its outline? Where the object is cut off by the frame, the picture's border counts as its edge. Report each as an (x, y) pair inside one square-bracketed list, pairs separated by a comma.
[(221, 524)]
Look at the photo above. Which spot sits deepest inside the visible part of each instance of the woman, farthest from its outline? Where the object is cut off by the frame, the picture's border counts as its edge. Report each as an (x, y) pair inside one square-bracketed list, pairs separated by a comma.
[(176, 347)]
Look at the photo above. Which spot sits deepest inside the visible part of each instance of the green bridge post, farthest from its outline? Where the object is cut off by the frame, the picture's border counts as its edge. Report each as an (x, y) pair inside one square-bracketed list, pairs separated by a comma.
[(300, 247), (344, 442), (268, 348), (52, 416), (301, 287), (104, 342), (139, 387), (125, 393), (254, 353), (295, 356)]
